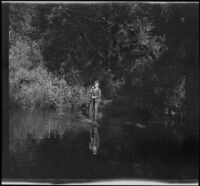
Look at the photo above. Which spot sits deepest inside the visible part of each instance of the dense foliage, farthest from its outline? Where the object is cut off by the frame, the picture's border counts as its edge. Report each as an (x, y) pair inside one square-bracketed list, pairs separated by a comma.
[(137, 51)]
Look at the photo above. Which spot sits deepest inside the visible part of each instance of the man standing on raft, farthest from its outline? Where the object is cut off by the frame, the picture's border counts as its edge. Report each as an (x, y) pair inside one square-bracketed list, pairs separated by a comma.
[(95, 93)]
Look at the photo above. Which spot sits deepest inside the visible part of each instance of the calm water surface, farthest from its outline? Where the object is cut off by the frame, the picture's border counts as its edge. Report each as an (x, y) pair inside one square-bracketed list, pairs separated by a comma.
[(53, 145)]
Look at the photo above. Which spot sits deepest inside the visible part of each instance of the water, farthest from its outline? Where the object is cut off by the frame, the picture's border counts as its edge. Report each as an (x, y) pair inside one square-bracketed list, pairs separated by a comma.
[(57, 145)]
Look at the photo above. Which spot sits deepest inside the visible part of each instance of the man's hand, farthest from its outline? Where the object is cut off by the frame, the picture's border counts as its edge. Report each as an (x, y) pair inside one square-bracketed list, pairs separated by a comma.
[(93, 97)]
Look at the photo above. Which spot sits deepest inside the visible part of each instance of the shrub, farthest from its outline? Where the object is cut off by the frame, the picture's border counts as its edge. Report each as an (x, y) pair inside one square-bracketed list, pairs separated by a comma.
[(32, 86)]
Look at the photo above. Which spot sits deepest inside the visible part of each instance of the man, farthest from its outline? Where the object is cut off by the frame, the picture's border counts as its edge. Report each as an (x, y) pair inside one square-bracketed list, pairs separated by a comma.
[(95, 100)]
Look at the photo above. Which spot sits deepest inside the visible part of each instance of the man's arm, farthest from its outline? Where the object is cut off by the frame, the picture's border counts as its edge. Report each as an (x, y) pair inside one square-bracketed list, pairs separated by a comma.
[(99, 94)]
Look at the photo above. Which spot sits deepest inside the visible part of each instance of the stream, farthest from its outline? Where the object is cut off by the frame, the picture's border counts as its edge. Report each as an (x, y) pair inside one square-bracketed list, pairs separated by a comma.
[(55, 145)]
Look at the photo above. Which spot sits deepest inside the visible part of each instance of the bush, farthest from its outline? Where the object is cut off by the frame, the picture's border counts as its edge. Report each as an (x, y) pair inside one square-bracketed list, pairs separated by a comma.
[(32, 86), (41, 89)]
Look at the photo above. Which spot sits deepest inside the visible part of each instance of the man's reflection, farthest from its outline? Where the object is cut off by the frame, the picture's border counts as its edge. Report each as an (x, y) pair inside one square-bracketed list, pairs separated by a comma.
[(94, 140), (52, 129)]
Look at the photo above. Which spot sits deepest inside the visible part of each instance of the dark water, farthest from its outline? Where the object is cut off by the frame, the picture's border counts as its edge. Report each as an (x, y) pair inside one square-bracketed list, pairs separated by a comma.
[(58, 146)]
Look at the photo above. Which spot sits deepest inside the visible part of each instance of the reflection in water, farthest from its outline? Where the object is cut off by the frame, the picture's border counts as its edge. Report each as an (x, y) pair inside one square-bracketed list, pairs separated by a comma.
[(94, 140), (94, 135), (50, 145), (51, 132)]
